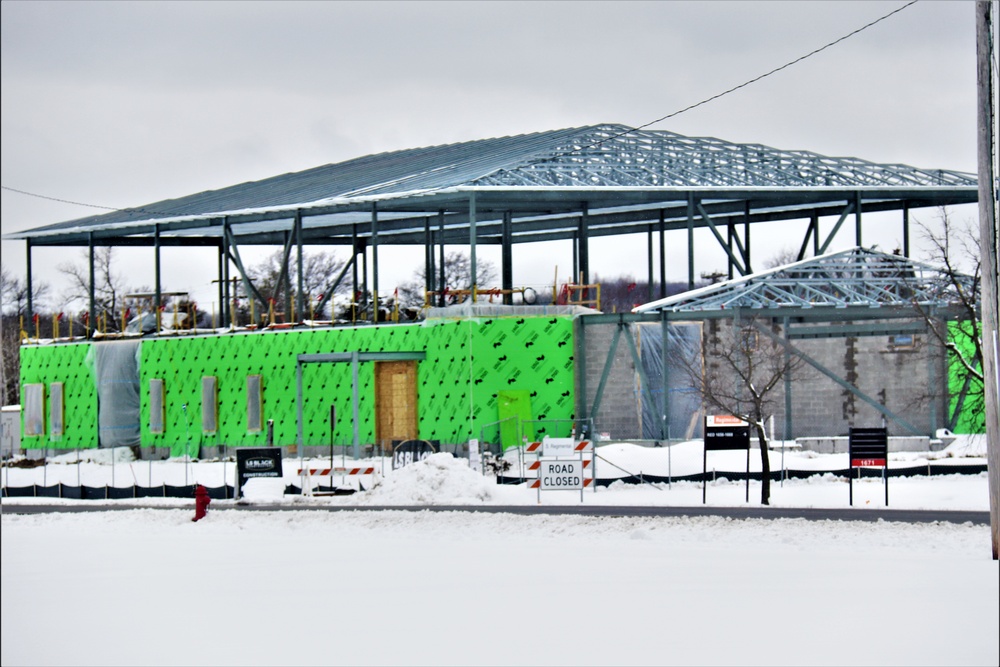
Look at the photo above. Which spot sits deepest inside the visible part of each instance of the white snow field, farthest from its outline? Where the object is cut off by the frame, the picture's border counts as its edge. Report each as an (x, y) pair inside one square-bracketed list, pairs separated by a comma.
[(147, 586)]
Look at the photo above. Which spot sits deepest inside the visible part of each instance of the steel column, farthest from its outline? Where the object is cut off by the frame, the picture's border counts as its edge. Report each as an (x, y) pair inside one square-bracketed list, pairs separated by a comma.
[(299, 282), (473, 275), (690, 238), (507, 258), (442, 277), (857, 219), (375, 304), (222, 298), (27, 278), (649, 263), (583, 241), (906, 229), (663, 257), (157, 301), (90, 287), (428, 256)]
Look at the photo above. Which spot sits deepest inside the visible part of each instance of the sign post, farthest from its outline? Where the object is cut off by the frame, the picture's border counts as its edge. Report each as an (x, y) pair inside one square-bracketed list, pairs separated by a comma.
[(868, 448), (724, 432)]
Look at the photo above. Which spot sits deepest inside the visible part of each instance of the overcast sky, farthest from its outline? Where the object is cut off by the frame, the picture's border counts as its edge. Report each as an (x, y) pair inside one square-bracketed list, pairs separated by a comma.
[(121, 104)]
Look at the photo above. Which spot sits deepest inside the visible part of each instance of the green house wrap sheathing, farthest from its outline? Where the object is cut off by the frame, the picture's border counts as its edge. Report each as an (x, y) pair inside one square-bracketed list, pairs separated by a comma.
[(468, 363), (73, 366), (972, 418)]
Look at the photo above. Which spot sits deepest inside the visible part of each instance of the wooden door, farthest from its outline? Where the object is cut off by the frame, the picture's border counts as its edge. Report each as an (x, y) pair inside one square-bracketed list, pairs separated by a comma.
[(395, 402)]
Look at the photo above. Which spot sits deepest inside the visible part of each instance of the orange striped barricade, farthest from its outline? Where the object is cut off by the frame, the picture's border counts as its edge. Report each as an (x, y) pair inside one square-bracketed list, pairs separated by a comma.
[(306, 475), (562, 464)]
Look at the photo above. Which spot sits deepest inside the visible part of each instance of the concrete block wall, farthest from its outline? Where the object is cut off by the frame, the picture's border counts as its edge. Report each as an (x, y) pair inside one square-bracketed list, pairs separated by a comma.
[(908, 381), (620, 409)]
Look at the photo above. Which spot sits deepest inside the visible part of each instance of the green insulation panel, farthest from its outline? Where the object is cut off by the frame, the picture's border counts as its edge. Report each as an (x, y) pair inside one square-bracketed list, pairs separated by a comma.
[(972, 418), (468, 363), (71, 365)]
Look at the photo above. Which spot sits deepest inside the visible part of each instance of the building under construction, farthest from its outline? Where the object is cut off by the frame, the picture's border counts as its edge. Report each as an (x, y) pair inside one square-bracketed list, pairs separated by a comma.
[(502, 371)]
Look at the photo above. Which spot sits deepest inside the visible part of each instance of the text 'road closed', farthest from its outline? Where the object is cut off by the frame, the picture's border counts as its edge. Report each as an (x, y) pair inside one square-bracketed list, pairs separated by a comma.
[(561, 475)]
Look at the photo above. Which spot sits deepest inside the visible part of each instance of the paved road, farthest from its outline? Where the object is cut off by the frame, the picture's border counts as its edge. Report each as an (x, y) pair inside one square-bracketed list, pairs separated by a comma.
[(811, 514)]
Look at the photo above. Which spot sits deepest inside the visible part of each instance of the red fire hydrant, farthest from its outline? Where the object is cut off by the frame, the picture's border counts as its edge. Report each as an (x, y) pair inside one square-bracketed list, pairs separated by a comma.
[(201, 501)]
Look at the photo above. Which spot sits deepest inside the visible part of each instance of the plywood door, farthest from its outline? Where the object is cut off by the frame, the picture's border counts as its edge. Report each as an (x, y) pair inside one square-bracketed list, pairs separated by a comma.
[(395, 401)]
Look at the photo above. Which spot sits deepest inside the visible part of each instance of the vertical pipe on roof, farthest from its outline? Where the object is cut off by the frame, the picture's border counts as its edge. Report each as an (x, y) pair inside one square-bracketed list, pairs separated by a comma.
[(374, 262)]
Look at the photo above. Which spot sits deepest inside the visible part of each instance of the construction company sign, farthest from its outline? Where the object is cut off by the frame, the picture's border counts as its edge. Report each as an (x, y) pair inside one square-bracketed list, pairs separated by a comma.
[(561, 475), (254, 462)]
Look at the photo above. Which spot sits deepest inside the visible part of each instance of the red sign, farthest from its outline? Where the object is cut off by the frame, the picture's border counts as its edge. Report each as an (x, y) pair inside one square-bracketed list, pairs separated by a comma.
[(861, 463)]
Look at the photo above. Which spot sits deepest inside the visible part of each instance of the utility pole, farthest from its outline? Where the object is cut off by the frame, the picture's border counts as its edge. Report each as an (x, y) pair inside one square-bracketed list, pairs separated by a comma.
[(988, 188)]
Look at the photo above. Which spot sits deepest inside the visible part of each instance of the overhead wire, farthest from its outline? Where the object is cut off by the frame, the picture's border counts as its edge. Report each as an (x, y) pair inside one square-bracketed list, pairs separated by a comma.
[(595, 144)]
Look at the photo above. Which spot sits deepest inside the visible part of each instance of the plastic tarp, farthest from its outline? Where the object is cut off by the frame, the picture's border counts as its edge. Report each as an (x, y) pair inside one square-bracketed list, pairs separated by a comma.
[(116, 370), (683, 400)]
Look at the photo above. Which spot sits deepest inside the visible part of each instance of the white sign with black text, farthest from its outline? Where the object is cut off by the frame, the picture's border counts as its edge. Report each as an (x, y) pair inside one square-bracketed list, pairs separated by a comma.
[(561, 475), (552, 447)]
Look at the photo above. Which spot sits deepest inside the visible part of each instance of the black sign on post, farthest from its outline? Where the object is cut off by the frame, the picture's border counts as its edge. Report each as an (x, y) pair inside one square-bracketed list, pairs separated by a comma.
[(868, 448), (256, 462), (724, 432)]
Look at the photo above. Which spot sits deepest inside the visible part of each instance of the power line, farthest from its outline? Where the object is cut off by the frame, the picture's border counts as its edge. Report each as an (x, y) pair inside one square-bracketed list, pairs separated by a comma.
[(68, 201), (756, 78), (596, 143)]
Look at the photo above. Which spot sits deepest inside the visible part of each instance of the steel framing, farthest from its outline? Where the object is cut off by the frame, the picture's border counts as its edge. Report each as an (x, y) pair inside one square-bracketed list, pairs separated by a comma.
[(574, 184)]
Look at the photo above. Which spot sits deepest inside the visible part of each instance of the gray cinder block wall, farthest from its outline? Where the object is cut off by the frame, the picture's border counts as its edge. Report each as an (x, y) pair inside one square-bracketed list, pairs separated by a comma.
[(909, 380)]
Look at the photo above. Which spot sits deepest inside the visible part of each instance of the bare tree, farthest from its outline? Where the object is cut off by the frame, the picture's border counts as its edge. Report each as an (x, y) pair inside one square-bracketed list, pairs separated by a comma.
[(13, 307), (319, 271), (781, 257), (955, 247), (110, 287), (622, 294), (457, 276), (14, 294), (738, 373)]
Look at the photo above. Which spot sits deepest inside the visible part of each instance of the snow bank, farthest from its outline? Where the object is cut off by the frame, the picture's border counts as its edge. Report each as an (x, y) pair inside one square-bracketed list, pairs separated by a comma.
[(439, 479)]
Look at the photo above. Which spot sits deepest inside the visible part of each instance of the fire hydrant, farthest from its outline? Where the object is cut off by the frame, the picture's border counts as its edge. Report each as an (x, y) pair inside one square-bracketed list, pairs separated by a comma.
[(201, 501)]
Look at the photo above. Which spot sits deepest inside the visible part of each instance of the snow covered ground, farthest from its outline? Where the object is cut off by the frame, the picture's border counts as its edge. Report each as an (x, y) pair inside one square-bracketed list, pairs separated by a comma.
[(147, 586), (445, 480)]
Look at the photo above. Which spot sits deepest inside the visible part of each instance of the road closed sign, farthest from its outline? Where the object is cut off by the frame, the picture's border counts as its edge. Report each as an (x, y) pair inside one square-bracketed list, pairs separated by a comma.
[(561, 475)]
